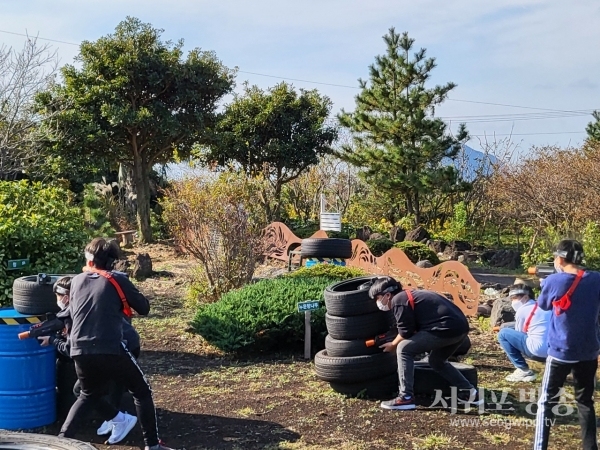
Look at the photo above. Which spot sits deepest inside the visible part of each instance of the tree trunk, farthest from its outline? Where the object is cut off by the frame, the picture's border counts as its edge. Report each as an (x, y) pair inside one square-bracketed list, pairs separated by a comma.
[(142, 189)]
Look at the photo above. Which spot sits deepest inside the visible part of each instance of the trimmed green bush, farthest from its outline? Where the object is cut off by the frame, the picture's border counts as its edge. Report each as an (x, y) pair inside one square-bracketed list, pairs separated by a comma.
[(263, 316), (39, 223), (417, 251), (327, 270), (379, 246)]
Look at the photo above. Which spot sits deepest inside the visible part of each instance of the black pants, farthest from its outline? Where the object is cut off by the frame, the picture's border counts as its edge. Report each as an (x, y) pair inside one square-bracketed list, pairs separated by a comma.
[(554, 379), (115, 390), (94, 372)]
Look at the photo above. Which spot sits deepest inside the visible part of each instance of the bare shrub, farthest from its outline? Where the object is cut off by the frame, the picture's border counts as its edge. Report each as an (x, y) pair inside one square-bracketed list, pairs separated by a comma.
[(217, 222)]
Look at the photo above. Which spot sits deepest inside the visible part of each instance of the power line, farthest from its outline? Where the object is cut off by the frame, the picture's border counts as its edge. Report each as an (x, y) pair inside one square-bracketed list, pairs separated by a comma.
[(37, 37), (575, 112), (526, 134)]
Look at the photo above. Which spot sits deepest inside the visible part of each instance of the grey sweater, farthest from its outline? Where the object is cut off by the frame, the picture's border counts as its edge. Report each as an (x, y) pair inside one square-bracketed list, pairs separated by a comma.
[(97, 313)]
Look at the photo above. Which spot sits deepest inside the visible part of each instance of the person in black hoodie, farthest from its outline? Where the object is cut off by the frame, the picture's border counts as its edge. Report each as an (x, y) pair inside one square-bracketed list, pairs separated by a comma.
[(426, 322), (98, 301)]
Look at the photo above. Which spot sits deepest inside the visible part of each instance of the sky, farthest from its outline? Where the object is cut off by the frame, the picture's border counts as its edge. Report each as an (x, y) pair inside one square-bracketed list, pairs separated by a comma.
[(539, 55)]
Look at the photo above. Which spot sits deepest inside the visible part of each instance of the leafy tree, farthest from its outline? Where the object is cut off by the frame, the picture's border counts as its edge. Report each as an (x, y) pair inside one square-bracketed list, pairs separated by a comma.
[(135, 100), (23, 73), (593, 128), (398, 142), (278, 133)]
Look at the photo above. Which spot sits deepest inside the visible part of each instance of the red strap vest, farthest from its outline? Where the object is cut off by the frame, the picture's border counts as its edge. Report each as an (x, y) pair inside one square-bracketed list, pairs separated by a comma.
[(564, 303), (411, 299), (126, 308), (528, 321)]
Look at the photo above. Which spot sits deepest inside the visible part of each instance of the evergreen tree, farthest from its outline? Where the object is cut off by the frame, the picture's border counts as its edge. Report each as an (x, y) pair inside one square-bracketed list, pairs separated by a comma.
[(398, 142), (593, 128)]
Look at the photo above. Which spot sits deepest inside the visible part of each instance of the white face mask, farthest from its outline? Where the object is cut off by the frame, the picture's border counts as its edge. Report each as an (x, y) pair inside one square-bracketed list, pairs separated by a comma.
[(61, 305), (516, 304), (558, 268), (381, 306)]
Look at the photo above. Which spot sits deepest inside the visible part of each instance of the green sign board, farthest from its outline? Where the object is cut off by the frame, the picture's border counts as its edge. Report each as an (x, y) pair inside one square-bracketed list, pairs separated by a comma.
[(310, 305), (16, 264)]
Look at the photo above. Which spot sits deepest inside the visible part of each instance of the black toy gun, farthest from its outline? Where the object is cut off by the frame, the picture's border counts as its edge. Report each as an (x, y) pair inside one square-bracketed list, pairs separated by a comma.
[(46, 328), (382, 338), (543, 270)]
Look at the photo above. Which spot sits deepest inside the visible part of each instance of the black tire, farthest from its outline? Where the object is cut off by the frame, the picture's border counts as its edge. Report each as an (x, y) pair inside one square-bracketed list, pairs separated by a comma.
[(27, 441), (355, 347), (354, 369), (358, 327), (32, 298), (379, 388), (427, 381), (346, 299), (326, 248)]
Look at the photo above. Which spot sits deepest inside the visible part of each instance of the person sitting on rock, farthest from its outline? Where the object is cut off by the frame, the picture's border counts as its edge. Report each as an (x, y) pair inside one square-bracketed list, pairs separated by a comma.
[(426, 322), (529, 337)]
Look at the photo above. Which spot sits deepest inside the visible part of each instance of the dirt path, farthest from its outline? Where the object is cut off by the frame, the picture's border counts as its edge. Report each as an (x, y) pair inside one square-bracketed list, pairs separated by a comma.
[(207, 400)]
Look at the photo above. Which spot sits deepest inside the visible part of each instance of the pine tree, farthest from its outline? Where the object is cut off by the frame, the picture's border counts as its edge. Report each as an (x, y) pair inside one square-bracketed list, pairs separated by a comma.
[(398, 142), (593, 128)]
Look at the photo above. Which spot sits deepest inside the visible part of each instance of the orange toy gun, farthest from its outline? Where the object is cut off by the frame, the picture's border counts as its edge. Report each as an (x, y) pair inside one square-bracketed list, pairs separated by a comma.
[(382, 338)]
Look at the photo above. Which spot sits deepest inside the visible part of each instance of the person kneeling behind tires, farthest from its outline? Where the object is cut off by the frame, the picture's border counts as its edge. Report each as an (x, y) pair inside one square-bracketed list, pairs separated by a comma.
[(426, 322)]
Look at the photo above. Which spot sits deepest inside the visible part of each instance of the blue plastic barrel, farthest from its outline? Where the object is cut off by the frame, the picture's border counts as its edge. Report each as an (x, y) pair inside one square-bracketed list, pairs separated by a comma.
[(27, 376)]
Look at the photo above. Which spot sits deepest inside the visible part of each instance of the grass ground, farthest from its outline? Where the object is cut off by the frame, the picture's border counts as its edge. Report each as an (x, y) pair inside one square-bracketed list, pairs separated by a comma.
[(208, 400)]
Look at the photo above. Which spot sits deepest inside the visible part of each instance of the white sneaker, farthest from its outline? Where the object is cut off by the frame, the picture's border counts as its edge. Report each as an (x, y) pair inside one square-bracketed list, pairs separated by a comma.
[(105, 428), (520, 375), (121, 429)]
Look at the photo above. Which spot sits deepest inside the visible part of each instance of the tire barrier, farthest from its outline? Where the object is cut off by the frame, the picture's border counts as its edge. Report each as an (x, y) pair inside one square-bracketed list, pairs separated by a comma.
[(347, 363), (326, 248)]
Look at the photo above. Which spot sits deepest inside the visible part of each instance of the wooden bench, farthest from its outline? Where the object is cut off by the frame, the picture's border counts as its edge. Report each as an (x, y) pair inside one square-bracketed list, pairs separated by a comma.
[(126, 237)]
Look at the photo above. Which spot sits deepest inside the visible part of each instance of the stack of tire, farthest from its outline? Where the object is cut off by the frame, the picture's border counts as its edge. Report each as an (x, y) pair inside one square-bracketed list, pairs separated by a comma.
[(326, 250), (354, 369), (347, 363)]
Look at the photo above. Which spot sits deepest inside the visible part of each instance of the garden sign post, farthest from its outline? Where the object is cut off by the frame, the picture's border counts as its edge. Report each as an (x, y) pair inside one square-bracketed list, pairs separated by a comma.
[(307, 307)]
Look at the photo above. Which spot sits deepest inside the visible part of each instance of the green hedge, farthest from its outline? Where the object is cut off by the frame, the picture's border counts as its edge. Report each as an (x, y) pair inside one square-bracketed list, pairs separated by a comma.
[(379, 246), (417, 251), (39, 223), (263, 316), (327, 270)]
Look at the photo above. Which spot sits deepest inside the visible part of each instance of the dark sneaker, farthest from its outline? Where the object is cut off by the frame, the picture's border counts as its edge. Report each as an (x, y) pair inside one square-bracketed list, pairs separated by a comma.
[(469, 398), (159, 446), (402, 403)]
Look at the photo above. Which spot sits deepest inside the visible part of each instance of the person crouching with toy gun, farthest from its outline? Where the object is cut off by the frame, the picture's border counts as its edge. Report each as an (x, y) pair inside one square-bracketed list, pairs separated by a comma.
[(426, 322), (98, 301)]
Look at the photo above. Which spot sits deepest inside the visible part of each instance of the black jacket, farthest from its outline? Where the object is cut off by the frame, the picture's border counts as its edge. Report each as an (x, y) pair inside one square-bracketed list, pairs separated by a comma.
[(97, 313), (433, 312)]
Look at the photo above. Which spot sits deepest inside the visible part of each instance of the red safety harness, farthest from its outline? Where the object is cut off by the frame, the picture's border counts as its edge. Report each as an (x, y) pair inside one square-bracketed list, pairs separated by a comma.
[(528, 321), (126, 308), (411, 299), (564, 302)]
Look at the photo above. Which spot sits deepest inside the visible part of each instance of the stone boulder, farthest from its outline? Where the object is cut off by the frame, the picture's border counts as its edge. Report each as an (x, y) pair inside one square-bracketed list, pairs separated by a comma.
[(364, 233), (417, 235), (142, 267), (375, 236), (502, 312), (459, 246), (509, 259), (468, 257), (424, 264), (438, 246), (397, 234)]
